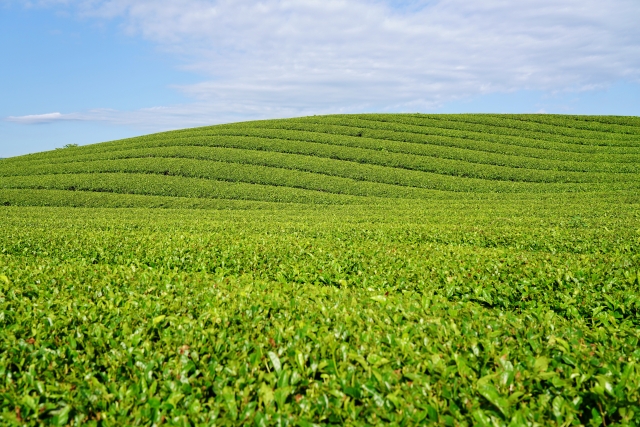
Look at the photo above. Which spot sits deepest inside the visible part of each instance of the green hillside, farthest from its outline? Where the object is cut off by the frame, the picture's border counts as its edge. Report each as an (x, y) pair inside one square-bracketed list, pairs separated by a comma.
[(396, 269), (338, 160)]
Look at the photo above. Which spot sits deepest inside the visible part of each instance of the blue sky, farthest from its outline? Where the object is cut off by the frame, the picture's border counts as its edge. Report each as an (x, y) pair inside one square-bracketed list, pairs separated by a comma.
[(86, 71), (57, 62)]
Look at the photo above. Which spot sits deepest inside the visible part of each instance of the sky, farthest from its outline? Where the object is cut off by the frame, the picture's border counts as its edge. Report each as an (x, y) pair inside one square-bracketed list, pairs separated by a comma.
[(87, 71)]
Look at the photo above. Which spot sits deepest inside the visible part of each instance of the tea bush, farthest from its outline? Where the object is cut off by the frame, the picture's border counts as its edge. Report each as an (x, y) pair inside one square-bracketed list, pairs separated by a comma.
[(340, 270)]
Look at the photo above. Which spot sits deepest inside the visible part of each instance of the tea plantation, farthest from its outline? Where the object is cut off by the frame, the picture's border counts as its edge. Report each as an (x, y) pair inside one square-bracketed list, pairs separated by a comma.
[(451, 270)]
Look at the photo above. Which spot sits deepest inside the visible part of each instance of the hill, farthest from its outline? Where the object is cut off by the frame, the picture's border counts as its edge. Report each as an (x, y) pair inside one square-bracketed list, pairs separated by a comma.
[(337, 160), (448, 270)]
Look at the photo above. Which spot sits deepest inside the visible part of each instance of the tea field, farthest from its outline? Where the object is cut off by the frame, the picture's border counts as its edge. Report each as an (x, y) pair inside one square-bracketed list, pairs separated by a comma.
[(397, 269)]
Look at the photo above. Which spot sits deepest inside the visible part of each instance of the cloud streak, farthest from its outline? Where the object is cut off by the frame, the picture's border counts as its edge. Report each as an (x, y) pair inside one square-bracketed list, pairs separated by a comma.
[(33, 119), (283, 57)]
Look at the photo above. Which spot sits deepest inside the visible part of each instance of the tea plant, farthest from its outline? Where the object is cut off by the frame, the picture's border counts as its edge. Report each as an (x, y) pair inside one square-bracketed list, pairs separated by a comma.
[(342, 270)]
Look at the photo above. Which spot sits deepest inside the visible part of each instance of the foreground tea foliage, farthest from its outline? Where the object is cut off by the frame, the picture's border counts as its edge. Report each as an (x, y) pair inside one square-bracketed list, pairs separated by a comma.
[(522, 314), (450, 270)]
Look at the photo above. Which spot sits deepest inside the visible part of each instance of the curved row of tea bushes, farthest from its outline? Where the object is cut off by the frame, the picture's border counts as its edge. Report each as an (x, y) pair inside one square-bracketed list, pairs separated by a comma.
[(367, 166)]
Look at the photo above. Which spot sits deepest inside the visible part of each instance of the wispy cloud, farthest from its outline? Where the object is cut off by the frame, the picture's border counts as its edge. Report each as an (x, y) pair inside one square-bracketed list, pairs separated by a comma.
[(171, 117), (36, 118), (282, 57)]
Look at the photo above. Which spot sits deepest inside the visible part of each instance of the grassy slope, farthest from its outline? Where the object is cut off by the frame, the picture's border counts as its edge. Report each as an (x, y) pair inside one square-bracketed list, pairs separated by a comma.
[(341, 159), (375, 269)]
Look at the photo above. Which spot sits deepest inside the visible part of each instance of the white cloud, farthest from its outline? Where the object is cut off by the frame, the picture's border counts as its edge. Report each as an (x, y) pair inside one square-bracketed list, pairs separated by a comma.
[(285, 57), (171, 117), (36, 118)]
